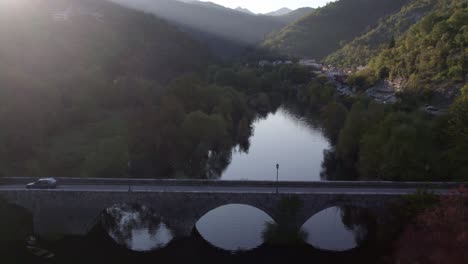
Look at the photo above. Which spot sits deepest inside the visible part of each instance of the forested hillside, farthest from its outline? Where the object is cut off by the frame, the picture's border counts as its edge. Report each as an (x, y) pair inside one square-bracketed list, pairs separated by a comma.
[(401, 142), (431, 56), (359, 51), (322, 32), (70, 71)]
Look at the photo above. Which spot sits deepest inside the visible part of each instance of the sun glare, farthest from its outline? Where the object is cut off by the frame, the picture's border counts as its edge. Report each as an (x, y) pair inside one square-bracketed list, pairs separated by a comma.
[(10, 3)]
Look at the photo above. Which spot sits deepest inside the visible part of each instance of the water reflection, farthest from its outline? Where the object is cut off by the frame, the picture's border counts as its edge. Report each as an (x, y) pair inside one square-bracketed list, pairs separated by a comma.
[(285, 232), (283, 137), (334, 169), (339, 228), (234, 227), (15, 224), (137, 227)]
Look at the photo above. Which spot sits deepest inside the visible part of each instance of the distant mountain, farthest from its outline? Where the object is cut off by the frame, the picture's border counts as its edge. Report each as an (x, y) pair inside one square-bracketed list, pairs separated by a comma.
[(363, 48), (295, 14), (206, 4), (244, 10), (324, 30), (214, 21), (280, 12)]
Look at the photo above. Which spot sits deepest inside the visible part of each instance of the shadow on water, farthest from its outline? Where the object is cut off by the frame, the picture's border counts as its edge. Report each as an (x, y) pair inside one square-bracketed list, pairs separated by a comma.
[(16, 225)]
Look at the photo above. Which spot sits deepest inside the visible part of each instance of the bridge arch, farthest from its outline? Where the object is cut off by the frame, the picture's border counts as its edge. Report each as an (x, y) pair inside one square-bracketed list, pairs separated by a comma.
[(307, 212), (234, 227), (182, 212), (352, 227), (185, 215)]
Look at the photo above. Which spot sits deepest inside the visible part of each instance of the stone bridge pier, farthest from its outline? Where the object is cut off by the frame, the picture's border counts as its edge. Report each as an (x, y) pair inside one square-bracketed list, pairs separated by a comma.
[(77, 212)]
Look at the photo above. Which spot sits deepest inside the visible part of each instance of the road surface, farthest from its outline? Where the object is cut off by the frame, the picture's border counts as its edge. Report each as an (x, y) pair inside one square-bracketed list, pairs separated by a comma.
[(225, 189)]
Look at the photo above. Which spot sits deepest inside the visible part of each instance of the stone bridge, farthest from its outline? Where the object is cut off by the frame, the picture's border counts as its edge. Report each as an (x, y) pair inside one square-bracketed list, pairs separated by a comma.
[(75, 208)]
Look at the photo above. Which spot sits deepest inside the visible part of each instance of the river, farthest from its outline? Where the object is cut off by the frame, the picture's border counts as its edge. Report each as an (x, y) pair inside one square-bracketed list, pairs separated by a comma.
[(286, 138)]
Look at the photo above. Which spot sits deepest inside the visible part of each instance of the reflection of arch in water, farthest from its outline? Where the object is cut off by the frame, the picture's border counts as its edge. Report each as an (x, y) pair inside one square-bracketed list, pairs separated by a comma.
[(340, 228), (374, 205), (138, 227), (16, 223), (183, 219), (234, 227)]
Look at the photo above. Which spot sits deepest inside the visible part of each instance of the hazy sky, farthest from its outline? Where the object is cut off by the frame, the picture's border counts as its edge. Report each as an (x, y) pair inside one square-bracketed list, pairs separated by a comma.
[(264, 6)]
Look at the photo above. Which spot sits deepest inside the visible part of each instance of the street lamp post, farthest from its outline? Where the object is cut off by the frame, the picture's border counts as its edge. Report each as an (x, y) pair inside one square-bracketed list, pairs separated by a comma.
[(277, 177)]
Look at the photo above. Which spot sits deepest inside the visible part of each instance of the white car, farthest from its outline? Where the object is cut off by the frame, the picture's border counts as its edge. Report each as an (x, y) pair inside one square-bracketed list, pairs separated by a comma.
[(46, 183)]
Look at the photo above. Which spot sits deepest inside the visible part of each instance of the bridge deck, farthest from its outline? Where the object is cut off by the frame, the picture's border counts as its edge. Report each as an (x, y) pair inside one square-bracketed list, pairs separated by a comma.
[(147, 185)]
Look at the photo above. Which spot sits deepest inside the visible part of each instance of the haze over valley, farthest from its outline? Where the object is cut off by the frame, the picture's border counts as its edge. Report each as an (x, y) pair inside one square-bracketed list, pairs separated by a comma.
[(233, 131)]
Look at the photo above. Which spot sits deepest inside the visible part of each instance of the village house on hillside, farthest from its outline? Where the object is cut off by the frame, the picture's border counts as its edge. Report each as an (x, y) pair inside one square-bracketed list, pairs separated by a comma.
[(310, 63), (264, 63)]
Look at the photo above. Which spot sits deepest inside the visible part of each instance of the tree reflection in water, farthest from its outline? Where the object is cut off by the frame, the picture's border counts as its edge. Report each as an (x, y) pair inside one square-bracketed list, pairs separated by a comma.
[(137, 227), (340, 228), (360, 222), (15, 225), (284, 231)]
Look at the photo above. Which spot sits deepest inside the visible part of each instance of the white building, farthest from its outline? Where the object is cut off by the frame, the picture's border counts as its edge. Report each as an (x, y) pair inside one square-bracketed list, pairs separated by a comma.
[(64, 15), (71, 11), (264, 63), (310, 63)]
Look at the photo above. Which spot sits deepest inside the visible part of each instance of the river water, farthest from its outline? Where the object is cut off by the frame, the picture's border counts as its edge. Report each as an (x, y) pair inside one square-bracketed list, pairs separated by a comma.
[(286, 138), (228, 234)]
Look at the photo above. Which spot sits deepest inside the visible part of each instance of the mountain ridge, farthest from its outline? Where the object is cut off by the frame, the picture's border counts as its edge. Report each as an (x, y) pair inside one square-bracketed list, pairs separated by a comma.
[(280, 12), (321, 33), (244, 10), (222, 25)]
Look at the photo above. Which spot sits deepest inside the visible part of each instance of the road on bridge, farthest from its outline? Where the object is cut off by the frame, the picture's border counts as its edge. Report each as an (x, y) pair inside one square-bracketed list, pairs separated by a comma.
[(227, 189)]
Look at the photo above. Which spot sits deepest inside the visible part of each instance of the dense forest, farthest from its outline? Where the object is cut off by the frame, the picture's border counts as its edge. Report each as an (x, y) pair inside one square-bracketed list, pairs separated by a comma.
[(430, 58), (359, 51), (71, 72), (324, 30), (400, 142)]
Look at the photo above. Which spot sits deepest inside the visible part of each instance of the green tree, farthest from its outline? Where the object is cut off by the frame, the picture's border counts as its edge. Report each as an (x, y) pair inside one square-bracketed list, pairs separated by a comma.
[(199, 128), (334, 117), (110, 159), (455, 141), (400, 148), (347, 148)]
